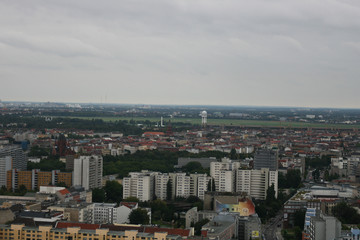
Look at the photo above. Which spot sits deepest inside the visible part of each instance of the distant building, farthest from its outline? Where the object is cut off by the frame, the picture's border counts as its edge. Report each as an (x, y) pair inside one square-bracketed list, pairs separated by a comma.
[(69, 162), (199, 184), (205, 162), (5, 165), (140, 185), (256, 182), (35, 178), (224, 174), (18, 156), (83, 231), (323, 227), (88, 171), (161, 185), (265, 158)]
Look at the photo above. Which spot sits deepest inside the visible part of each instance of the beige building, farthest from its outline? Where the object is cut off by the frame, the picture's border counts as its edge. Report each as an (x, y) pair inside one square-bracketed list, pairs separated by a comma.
[(21, 232)]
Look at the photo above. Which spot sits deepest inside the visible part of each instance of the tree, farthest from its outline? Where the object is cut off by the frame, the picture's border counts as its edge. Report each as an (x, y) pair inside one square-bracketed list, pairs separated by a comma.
[(193, 167), (293, 178), (299, 218), (98, 195), (131, 199), (114, 191), (199, 224), (139, 216), (61, 184), (168, 191), (270, 194), (233, 154), (193, 199), (316, 174), (211, 185), (346, 214)]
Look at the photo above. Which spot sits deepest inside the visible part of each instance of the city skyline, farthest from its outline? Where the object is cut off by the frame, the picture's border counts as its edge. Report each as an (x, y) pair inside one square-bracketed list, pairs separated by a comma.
[(233, 53)]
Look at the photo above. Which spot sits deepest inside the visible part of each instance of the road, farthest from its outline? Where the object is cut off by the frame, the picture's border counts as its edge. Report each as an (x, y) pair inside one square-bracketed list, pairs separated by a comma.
[(272, 229)]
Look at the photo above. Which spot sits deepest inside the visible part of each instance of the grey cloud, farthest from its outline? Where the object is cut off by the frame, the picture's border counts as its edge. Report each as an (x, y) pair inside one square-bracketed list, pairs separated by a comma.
[(59, 45), (258, 52)]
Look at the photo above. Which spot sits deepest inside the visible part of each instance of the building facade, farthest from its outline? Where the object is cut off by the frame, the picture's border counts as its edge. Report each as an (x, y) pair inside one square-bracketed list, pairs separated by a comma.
[(18, 156), (88, 171), (223, 174), (140, 185), (265, 158), (35, 178), (256, 182)]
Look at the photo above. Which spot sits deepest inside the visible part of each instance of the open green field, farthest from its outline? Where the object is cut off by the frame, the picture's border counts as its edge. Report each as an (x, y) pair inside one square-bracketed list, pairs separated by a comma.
[(228, 122)]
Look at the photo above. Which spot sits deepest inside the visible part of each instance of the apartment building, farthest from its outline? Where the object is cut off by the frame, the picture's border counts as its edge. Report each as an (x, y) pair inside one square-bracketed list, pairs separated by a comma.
[(182, 185), (224, 174), (18, 156), (5, 165), (256, 182), (76, 232), (35, 178), (265, 158), (199, 184), (88, 171), (140, 185), (161, 185), (324, 227)]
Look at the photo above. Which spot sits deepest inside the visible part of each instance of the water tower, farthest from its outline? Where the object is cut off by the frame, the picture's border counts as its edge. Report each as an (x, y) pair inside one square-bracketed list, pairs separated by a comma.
[(203, 115)]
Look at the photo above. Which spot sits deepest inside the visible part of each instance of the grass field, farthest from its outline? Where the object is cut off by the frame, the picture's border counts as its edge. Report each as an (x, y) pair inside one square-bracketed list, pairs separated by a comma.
[(230, 122)]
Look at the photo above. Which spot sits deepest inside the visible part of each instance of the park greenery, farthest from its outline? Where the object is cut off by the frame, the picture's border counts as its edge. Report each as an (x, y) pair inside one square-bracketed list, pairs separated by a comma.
[(139, 216), (319, 163), (48, 164), (154, 160), (21, 191), (110, 193), (97, 125), (346, 214), (292, 179)]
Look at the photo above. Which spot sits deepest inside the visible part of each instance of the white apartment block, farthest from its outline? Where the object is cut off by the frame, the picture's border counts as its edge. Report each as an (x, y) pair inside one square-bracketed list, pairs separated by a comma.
[(182, 185), (88, 172), (161, 182), (226, 181), (103, 213), (256, 182), (199, 184), (140, 185), (324, 227), (224, 174)]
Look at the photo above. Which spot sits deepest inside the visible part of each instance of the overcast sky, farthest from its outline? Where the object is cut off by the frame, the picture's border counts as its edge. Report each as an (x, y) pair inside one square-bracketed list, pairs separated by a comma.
[(223, 52)]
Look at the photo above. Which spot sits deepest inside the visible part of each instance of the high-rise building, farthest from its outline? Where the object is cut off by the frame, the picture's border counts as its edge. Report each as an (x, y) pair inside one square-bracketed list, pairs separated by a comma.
[(224, 174), (69, 161), (265, 158), (323, 227), (140, 185), (256, 182), (199, 184), (161, 185), (5, 165), (19, 159), (88, 171), (182, 185)]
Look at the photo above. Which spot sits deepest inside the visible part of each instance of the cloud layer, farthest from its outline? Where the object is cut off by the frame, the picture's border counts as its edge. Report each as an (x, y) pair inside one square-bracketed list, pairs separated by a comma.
[(260, 52)]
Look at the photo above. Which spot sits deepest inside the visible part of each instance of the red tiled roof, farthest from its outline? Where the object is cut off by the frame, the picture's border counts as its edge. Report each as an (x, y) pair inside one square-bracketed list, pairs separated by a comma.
[(170, 231), (64, 192), (154, 133), (128, 204), (80, 225)]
